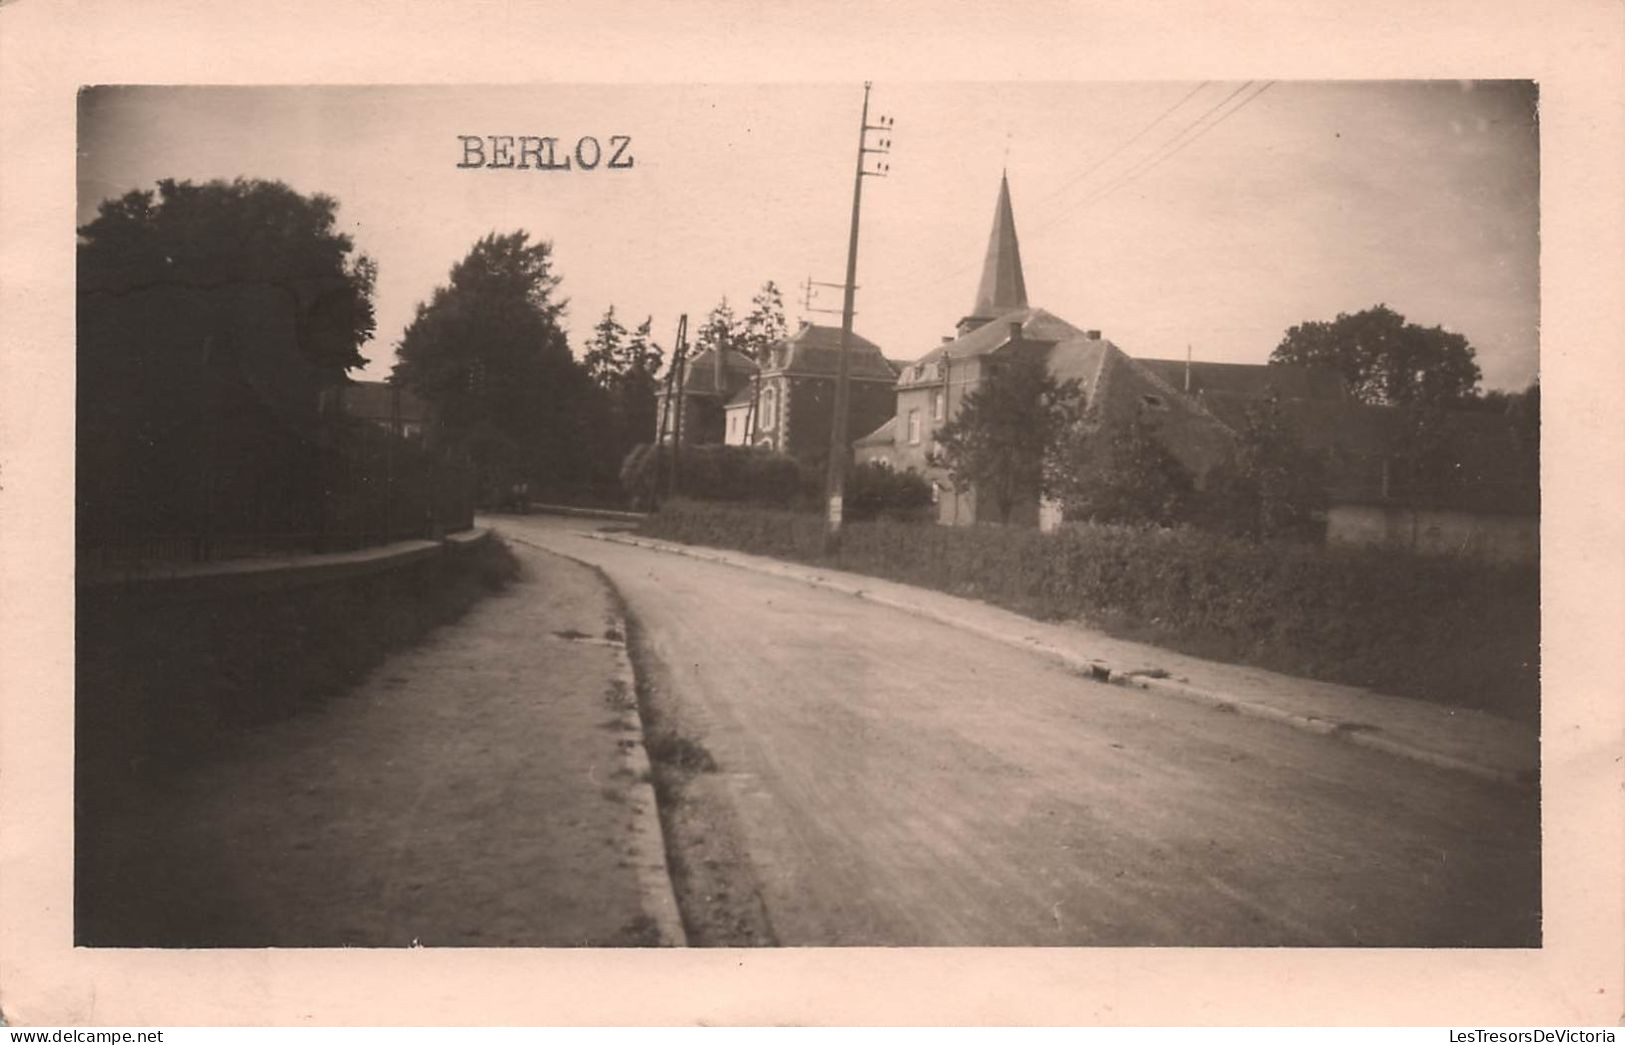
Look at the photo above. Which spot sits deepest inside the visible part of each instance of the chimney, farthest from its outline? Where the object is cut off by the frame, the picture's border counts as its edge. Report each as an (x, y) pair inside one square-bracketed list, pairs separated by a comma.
[(948, 339), (720, 370), (1015, 332), (1092, 335)]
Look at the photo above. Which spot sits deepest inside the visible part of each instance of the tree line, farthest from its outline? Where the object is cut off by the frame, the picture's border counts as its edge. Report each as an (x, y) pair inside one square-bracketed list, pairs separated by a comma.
[(219, 322)]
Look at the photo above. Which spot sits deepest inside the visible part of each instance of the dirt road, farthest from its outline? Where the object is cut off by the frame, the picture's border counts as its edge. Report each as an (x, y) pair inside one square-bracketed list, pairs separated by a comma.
[(898, 782)]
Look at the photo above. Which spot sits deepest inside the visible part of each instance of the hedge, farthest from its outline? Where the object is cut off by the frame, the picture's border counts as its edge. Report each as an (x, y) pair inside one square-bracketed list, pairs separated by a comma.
[(1450, 630)]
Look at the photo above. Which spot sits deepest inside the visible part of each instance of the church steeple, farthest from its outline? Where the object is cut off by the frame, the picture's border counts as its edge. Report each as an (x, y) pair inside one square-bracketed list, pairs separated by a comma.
[(1003, 287)]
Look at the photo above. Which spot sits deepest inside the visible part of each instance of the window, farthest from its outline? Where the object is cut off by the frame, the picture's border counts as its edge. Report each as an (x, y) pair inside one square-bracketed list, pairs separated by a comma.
[(914, 428), (936, 404), (767, 408)]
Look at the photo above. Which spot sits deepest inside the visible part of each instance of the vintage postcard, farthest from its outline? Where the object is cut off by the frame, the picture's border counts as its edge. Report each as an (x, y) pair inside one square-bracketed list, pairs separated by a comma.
[(1084, 543)]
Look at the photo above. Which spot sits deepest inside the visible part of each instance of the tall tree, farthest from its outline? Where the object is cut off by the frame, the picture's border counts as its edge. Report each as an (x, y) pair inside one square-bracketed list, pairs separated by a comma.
[(998, 441), (1118, 474), (1273, 486), (605, 359), (237, 235), (624, 367), (489, 353), (765, 325), (1384, 359), (211, 319), (721, 330)]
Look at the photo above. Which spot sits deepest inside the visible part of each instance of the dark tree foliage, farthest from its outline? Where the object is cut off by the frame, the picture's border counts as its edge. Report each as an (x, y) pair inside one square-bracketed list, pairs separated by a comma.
[(760, 329), (874, 490), (765, 325), (624, 368), (721, 330), (1120, 475), (489, 353), (1273, 487), (1383, 358), (212, 319), (998, 441), (238, 234)]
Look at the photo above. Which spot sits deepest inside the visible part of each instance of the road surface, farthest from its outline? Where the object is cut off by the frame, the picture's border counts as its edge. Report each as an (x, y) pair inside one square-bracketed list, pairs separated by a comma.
[(896, 782)]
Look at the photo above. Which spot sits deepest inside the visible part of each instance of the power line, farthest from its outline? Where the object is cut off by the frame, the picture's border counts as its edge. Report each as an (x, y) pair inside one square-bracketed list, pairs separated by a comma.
[(1141, 133), (1176, 144), (1073, 181)]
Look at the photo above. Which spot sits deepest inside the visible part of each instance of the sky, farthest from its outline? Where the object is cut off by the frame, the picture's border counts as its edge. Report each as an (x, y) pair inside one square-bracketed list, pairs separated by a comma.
[(1212, 216)]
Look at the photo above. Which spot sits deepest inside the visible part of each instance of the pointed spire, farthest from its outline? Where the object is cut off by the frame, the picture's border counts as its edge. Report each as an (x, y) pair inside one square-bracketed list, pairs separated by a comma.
[(1002, 288)]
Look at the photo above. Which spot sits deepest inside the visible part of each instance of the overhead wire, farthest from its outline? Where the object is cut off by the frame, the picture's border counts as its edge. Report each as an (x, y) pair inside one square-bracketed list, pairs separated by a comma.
[(1182, 138)]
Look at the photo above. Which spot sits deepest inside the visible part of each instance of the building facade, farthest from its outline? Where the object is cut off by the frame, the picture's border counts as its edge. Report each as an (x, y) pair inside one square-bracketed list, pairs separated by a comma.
[(789, 404)]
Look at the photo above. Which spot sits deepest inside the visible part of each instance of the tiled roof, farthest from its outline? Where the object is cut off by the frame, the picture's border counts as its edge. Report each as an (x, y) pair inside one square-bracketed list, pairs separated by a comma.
[(699, 372), (1036, 325), (1289, 381), (885, 435)]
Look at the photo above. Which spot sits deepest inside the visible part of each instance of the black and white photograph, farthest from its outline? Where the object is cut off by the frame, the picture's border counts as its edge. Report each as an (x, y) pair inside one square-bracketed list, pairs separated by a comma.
[(748, 514), (862, 514)]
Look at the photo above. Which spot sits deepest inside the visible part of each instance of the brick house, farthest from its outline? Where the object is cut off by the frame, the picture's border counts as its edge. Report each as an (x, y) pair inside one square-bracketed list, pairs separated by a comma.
[(789, 404)]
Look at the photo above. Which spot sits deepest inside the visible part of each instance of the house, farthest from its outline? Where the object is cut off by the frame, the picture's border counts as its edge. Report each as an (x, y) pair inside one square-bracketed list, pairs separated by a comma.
[(789, 405), (710, 380), (391, 407)]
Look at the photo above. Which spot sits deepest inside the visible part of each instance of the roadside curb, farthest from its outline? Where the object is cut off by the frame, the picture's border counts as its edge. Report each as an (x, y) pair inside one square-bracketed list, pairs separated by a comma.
[(653, 865), (1357, 733), (587, 513)]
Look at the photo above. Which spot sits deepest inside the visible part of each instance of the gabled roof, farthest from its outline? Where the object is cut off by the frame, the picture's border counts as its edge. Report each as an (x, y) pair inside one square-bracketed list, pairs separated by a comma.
[(815, 351), (885, 435), (1288, 380), (1003, 286)]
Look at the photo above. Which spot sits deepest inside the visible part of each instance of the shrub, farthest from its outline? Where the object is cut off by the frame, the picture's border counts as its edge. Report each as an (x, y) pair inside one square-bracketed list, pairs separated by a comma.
[(874, 490), (1456, 631), (711, 473)]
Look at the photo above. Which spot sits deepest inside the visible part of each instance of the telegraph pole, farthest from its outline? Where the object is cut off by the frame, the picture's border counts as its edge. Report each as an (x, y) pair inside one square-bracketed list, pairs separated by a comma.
[(838, 448), (670, 422)]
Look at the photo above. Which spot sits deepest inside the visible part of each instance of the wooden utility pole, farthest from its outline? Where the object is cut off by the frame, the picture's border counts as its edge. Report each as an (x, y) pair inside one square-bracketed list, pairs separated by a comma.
[(679, 360), (838, 442)]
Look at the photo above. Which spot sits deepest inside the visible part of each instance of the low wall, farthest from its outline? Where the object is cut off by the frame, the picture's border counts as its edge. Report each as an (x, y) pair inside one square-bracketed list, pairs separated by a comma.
[(1492, 538), (169, 665)]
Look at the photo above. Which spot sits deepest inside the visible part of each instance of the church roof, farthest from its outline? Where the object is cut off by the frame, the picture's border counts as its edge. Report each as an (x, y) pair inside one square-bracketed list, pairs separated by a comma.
[(1002, 287)]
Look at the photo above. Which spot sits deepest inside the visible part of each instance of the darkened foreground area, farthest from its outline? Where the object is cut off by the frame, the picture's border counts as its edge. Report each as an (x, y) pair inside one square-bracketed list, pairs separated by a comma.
[(168, 671), (1449, 630)]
